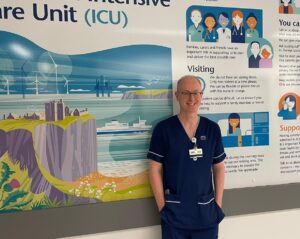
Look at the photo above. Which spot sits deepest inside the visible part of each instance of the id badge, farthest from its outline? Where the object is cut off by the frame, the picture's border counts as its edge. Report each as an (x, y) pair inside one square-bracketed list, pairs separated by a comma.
[(196, 153)]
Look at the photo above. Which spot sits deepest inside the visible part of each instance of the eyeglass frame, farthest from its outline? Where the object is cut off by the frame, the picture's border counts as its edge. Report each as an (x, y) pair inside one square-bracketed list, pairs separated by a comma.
[(189, 94)]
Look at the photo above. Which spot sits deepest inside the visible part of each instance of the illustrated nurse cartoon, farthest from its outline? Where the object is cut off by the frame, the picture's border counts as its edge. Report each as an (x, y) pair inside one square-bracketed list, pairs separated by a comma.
[(237, 29), (251, 32), (210, 34), (195, 31), (224, 32), (286, 7)]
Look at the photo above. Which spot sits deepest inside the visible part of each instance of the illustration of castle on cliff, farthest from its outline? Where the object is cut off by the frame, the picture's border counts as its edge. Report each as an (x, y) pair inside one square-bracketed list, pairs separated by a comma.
[(54, 111)]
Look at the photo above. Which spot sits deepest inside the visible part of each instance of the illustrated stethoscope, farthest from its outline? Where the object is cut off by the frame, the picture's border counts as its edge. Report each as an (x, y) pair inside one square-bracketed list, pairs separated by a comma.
[(235, 31), (208, 36)]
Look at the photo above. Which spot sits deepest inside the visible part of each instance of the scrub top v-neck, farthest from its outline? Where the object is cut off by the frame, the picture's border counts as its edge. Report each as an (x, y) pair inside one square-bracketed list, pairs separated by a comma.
[(188, 182)]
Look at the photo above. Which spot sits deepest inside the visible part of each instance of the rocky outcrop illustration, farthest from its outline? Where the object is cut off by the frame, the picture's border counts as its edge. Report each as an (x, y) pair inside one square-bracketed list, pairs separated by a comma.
[(3, 142), (65, 153)]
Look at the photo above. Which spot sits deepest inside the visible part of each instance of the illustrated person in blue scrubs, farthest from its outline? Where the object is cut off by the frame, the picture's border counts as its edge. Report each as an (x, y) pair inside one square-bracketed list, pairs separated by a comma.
[(195, 31), (255, 57), (237, 29), (234, 127), (186, 154), (210, 34), (288, 110)]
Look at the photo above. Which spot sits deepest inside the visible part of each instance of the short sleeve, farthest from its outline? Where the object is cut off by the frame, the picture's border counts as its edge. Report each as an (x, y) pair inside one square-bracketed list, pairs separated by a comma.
[(203, 34), (219, 153), (157, 145)]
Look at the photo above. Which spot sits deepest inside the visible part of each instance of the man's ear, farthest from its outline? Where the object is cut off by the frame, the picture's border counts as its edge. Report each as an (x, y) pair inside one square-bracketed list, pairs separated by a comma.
[(176, 95)]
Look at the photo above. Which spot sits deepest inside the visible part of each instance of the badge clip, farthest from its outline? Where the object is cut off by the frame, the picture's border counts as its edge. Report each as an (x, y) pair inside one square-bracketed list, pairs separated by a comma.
[(196, 152)]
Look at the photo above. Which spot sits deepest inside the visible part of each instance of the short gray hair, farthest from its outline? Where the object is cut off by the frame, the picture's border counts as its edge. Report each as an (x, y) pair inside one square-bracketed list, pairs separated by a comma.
[(185, 77)]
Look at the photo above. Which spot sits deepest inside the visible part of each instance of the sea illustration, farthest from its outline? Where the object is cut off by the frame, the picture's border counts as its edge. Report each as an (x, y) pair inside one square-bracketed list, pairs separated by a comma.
[(75, 129)]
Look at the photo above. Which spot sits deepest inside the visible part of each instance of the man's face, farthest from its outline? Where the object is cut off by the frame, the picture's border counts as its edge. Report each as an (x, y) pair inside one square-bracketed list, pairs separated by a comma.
[(286, 1), (223, 21), (255, 48), (196, 17), (189, 95)]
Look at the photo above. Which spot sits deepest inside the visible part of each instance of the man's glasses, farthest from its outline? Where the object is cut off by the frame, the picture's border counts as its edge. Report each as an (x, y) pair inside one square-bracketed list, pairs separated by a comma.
[(189, 94)]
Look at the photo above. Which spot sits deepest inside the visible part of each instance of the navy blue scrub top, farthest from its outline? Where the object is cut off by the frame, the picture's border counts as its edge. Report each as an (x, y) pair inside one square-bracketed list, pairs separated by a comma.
[(189, 195)]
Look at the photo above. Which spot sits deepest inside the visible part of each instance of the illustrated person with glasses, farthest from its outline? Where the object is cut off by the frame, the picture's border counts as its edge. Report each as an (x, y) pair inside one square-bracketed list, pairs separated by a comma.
[(186, 154)]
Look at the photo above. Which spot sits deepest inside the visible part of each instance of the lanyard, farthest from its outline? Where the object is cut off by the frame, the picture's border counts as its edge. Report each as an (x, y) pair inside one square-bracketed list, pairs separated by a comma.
[(195, 152)]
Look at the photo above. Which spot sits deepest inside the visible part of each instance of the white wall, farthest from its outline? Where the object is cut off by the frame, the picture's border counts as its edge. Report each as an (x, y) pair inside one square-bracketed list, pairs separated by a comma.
[(272, 225)]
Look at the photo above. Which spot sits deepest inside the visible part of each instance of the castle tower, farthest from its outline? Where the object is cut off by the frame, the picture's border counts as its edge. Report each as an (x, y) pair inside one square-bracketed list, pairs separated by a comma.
[(60, 110), (50, 111)]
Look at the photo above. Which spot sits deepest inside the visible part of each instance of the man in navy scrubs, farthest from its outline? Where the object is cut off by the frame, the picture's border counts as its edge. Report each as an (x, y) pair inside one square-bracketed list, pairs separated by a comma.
[(186, 158)]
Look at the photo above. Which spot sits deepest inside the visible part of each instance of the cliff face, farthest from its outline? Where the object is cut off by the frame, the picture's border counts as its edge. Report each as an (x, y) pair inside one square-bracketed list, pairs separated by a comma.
[(66, 154), (3, 142), (69, 153), (19, 145)]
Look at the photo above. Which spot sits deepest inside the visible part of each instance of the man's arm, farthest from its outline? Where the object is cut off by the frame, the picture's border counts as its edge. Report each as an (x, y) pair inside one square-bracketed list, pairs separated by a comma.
[(156, 181), (219, 177)]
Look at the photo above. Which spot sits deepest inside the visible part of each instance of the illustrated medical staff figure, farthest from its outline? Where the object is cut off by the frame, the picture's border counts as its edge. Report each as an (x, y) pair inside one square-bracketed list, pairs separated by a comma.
[(195, 31), (254, 59), (234, 127), (210, 34), (237, 29), (266, 57), (286, 7), (186, 153), (251, 32), (224, 32)]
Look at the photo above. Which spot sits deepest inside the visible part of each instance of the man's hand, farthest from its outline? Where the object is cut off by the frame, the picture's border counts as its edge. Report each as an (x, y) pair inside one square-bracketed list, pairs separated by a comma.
[(155, 178), (219, 176)]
